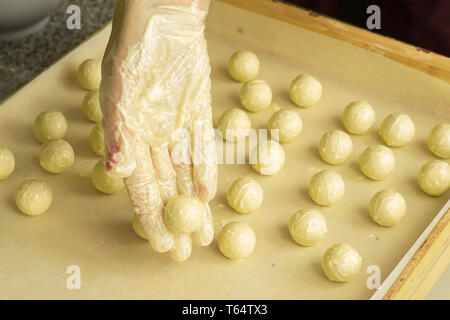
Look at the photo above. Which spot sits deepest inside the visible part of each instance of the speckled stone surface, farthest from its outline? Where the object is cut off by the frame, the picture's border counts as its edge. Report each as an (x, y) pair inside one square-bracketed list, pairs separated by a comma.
[(23, 59)]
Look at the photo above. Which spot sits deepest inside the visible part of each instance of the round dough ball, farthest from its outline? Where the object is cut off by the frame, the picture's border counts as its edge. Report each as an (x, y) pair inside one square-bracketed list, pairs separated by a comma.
[(56, 156), (387, 208), (434, 178), (234, 124), (377, 162), (7, 162), (243, 66), (50, 125), (103, 181), (90, 107), (245, 195), (33, 197), (305, 91), (256, 95), (268, 158), (90, 74), (97, 140), (341, 262), (184, 214), (237, 240), (335, 147), (307, 227), (288, 123), (326, 187), (358, 117), (397, 130), (137, 227), (439, 141)]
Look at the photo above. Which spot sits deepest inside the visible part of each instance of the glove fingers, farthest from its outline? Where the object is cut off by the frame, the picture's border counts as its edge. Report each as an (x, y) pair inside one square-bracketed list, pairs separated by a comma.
[(205, 235), (145, 198), (165, 173), (181, 159), (183, 247), (204, 159)]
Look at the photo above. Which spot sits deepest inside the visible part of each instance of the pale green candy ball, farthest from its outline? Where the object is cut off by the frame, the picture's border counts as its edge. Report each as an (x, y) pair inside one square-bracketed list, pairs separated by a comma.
[(335, 147), (56, 156), (326, 187), (90, 107), (90, 74), (268, 158), (103, 181), (439, 141), (358, 117), (237, 241), (305, 91), (33, 197), (397, 130), (234, 124), (243, 66), (341, 262), (184, 214), (7, 162), (256, 95), (50, 125), (307, 227), (245, 195), (387, 208), (288, 123), (97, 140), (377, 162), (434, 178)]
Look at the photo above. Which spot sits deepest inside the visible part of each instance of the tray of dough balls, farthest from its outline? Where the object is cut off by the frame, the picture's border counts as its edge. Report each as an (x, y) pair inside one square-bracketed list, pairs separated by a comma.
[(354, 171)]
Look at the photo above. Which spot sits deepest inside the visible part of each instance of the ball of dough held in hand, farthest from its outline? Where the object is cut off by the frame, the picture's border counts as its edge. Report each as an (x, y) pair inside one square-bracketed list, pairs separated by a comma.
[(434, 178), (90, 74), (335, 147), (56, 156), (138, 229), (243, 66), (33, 197), (326, 187), (268, 158), (341, 262), (234, 124), (103, 181), (90, 107), (7, 162), (97, 140), (397, 130), (288, 123), (387, 208), (184, 214), (256, 95), (237, 240), (377, 162), (245, 195), (307, 227), (358, 117), (305, 91), (439, 141), (50, 125)]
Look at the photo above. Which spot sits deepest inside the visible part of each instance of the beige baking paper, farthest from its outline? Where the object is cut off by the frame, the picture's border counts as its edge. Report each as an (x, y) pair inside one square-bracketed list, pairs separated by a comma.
[(93, 231)]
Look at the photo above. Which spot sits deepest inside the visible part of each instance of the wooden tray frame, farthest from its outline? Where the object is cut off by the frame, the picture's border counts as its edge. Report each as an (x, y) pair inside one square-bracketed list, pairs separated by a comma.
[(427, 259)]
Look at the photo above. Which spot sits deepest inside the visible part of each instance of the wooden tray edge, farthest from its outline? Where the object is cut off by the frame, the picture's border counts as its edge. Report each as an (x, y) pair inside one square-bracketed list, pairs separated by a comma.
[(420, 59)]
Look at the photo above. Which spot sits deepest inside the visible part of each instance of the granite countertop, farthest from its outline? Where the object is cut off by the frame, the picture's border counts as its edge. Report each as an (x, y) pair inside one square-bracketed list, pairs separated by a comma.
[(23, 59)]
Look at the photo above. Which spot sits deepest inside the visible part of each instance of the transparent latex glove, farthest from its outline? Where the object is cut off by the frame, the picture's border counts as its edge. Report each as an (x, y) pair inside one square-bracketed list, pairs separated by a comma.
[(156, 101)]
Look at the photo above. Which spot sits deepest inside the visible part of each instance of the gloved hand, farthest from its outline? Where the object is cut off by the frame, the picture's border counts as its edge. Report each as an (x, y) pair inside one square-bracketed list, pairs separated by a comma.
[(156, 102)]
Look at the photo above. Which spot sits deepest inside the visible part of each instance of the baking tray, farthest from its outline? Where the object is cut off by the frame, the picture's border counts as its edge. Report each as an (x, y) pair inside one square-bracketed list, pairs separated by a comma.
[(93, 231)]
